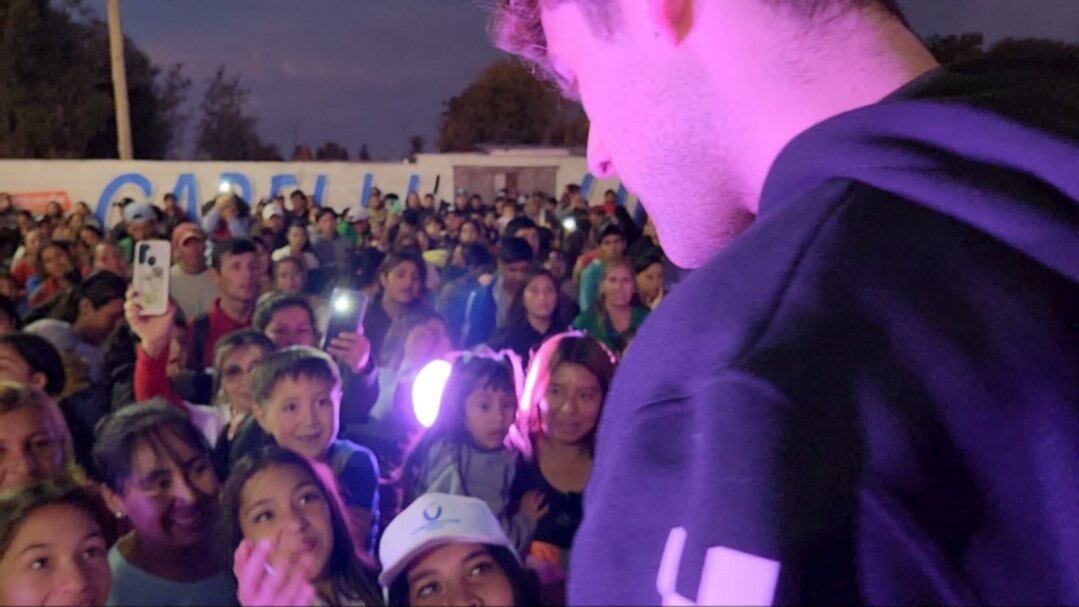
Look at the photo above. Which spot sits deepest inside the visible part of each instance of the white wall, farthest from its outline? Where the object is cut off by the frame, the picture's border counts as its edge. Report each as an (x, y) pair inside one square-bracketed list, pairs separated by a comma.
[(341, 184)]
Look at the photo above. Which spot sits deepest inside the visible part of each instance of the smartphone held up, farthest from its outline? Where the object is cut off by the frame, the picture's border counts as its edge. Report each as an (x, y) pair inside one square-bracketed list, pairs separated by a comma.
[(347, 309), (151, 276)]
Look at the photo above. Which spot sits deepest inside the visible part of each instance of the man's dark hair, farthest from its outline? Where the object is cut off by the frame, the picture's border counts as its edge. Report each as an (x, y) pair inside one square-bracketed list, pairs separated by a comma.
[(169, 196), (100, 288), (477, 255), (265, 311), (326, 211), (611, 229), (117, 435), (230, 246), (10, 309), (41, 356), (517, 224), (292, 363), (296, 193), (513, 250)]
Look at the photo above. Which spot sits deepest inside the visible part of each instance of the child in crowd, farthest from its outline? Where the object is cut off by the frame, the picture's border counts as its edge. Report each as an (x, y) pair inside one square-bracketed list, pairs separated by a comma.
[(156, 472), (465, 451), (297, 393), (291, 540), (451, 550), (53, 543)]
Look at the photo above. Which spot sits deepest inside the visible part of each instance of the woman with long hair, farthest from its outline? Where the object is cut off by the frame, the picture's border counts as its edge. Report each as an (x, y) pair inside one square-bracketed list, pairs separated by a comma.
[(59, 270), (563, 398), (536, 313), (286, 525), (616, 314)]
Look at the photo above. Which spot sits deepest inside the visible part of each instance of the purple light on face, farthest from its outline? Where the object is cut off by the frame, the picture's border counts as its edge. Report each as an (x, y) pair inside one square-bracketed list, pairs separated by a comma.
[(427, 391)]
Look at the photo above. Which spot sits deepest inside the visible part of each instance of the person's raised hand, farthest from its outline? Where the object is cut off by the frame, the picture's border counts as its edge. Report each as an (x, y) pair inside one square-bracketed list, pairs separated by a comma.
[(353, 350), (153, 331), (534, 505), (265, 580)]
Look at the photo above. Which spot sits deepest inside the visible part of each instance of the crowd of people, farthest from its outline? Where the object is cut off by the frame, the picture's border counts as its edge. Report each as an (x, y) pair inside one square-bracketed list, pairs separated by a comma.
[(229, 452)]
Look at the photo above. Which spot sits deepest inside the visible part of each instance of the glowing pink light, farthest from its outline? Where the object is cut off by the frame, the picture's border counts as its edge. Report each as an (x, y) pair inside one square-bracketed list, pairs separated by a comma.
[(427, 391)]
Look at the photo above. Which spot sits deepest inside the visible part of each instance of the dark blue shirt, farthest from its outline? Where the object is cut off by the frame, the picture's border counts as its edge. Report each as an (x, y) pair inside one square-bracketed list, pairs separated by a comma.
[(872, 395)]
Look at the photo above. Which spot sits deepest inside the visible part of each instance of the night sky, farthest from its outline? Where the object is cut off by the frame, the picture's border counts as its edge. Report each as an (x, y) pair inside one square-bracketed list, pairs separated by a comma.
[(377, 71)]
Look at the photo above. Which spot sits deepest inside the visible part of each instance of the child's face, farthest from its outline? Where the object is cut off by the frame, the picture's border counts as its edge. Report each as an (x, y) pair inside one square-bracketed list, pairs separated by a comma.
[(171, 495), (458, 574), (488, 416), (287, 506), (301, 414), (57, 557)]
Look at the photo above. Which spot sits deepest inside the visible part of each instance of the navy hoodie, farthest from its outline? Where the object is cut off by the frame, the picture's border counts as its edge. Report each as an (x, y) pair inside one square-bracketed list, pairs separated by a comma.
[(872, 395)]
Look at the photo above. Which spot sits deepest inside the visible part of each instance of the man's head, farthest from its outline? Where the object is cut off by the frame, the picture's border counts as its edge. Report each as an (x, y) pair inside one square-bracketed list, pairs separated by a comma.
[(100, 306), (140, 220), (525, 229), (273, 217), (235, 269), (299, 201), (189, 247), (108, 256), (515, 257), (612, 241), (690, 101), (327, 223)]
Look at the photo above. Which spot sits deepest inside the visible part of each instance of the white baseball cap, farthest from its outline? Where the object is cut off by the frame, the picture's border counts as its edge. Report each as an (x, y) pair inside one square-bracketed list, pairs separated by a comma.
[(272, 209), (433, 520)]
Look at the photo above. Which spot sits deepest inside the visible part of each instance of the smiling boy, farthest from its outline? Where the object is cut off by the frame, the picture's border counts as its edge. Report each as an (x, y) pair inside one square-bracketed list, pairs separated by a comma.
[(297, 393)]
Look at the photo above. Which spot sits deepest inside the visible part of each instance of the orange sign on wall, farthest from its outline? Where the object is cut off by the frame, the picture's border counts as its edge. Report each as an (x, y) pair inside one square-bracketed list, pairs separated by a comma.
[(35, 202)]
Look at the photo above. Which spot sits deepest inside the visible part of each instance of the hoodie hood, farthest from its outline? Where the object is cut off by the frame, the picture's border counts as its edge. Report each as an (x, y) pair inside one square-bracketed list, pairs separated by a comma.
[(964, 141)]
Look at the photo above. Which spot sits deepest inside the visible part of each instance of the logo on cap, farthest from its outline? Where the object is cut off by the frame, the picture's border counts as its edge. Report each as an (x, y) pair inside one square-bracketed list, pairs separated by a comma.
[(434, 521)]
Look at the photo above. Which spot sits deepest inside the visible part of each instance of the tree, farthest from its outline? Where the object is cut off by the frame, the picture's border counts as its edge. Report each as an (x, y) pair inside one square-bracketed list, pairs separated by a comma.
[(55, 86), (172, 94), (505, 104), (364, 155), (953, 49), (966, 47), (331, 150), (416, 144), (226, 132)]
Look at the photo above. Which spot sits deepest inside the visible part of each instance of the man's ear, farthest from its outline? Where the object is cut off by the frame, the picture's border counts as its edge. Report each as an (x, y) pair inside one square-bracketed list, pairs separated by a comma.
[(113, 501), (39, 380), (671, 19)]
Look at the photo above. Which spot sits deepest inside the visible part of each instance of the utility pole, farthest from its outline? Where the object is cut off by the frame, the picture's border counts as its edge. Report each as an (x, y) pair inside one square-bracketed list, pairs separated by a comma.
[(119, 82)]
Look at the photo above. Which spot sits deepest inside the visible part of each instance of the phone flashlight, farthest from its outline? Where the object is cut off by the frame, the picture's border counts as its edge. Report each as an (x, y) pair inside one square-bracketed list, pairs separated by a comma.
[(570, 224), (342, 304), (224, 187)]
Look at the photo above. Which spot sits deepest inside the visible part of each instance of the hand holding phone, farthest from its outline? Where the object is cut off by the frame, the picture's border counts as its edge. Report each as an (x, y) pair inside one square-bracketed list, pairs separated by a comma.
[(151, 276), (344, 340)]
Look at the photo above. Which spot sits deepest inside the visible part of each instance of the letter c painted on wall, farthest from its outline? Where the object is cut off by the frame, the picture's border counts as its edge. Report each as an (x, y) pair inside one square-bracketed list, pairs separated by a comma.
[(136, 179)]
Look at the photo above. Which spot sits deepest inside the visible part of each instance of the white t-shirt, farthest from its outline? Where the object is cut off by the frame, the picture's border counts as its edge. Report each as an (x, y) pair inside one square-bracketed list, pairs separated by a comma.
[(133, 586), (194, 293)]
